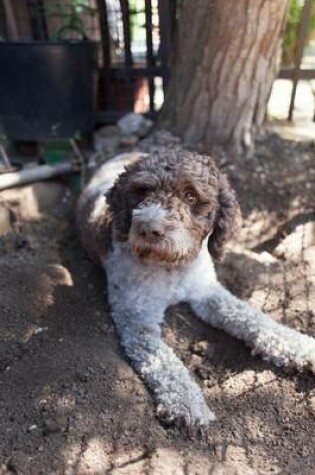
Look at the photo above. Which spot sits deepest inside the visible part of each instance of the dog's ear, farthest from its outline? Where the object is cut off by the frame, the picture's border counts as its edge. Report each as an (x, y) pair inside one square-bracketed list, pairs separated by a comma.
[(115, 194), (227, 218), (118, 204)]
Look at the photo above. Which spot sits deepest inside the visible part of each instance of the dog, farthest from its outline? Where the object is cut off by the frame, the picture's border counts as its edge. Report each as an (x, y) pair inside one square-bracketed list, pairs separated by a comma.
[(157, 222)]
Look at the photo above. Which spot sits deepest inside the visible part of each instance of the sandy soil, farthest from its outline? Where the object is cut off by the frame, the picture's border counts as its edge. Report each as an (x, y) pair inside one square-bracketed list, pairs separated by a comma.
[(69, 402)]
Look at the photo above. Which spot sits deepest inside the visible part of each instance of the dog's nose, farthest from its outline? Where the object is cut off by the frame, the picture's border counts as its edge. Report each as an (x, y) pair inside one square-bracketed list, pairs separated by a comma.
[(153, 231)]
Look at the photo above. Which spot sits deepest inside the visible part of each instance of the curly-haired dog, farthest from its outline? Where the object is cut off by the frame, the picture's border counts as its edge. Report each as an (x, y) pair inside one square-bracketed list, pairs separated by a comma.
[(156, 227)]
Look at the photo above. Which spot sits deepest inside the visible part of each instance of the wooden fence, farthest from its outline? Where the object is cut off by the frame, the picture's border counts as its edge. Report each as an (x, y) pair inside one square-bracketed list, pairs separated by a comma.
[(297, 73), (133, 73)]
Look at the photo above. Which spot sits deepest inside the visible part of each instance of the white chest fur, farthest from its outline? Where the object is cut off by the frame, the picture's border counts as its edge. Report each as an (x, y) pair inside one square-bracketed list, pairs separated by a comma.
[(138, 288)]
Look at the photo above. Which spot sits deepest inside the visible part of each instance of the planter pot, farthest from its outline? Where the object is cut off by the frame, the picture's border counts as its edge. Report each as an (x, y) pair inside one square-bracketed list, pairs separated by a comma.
[(47, 90)]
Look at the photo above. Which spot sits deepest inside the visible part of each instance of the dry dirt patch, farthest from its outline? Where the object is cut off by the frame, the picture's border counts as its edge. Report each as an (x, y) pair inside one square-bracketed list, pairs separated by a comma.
[(69, 402)]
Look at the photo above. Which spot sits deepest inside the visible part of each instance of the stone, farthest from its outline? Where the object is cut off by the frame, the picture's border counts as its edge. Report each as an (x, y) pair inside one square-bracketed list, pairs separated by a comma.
[(203, 372), (199, 347), (134, 124), (129, 140), (107, 139), (195, 361)]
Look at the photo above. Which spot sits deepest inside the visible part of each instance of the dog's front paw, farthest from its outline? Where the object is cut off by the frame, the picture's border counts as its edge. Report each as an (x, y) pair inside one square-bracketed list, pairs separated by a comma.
[(289, 349), (305, 355), (191, 415)]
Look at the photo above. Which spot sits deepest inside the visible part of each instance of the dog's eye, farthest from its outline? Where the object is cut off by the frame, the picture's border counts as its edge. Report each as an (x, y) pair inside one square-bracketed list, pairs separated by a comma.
[(190, 198)]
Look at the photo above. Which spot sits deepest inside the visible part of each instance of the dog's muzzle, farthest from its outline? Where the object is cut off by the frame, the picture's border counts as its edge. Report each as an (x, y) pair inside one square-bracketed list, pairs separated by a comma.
[(155, 236)]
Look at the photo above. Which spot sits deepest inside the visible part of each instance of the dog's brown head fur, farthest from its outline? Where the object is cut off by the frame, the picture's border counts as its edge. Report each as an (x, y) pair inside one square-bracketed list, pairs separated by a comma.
[(168, 203)]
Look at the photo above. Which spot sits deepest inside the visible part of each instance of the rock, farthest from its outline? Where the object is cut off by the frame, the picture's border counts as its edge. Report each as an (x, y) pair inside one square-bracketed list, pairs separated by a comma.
[(134, 124), (106, 139), (129, 140), (5, 222), (195, 361), (32, 428), (203, 372), (199, 347)]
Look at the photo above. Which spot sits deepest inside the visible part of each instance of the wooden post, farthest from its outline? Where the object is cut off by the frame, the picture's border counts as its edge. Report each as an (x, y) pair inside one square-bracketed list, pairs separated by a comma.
[(10, 21), (149, 52), (165, 38), (124, 5), (42, 172), (302, 33)]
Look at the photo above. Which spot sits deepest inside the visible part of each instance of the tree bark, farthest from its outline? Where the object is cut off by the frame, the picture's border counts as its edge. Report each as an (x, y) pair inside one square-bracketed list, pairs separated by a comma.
[(226, 59)]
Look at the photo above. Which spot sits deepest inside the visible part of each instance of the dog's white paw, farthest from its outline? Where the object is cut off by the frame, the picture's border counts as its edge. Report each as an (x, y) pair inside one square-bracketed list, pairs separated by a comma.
[(289, 349), (308, 356), (193, 416)]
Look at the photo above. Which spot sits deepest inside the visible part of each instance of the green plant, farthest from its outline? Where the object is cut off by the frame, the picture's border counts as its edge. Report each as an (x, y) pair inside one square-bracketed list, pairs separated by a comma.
[(291, 30), (66, 20)]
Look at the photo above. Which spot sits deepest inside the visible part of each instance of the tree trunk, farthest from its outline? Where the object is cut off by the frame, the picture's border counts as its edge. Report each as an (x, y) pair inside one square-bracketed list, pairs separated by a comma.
[(226, 60)]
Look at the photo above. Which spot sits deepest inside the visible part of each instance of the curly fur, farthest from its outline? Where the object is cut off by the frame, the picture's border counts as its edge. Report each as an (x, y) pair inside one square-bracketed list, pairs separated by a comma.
[(160, 179), (227, 219), (155, 222)]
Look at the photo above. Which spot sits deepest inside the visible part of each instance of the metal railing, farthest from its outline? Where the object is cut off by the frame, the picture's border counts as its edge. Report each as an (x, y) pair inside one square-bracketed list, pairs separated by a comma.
[(132, 73), (297, 72)]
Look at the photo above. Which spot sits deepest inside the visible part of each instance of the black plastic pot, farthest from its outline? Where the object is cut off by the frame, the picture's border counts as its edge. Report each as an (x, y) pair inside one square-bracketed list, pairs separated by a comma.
[(47, 90)]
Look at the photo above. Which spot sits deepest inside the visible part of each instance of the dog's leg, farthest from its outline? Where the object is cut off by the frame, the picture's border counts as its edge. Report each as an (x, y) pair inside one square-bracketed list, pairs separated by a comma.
[(179, 399), (277, 343)]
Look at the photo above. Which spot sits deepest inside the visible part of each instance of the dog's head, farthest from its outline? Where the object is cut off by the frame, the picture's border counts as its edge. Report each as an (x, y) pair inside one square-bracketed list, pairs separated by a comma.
[(167, 204)]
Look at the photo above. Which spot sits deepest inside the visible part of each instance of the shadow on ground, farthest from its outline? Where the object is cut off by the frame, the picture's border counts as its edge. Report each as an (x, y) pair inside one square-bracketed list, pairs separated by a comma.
[(69, 402)]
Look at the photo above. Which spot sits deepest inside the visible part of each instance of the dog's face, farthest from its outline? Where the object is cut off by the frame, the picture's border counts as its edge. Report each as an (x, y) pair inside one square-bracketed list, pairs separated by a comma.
[(167, 204)]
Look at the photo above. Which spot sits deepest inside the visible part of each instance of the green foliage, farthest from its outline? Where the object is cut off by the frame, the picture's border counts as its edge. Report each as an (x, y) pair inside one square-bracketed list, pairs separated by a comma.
[(68, 17), (291, 30), (137, 20)]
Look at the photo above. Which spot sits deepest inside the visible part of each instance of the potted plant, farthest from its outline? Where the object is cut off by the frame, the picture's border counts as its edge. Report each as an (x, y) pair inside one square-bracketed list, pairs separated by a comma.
[(48, 86)]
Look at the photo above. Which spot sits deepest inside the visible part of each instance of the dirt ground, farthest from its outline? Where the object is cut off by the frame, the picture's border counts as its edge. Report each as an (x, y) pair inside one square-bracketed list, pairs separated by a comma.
[(69, 402)]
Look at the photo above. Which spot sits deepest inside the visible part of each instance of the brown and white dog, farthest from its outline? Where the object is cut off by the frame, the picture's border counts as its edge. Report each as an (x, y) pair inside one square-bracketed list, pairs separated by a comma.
[(156, 222)]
